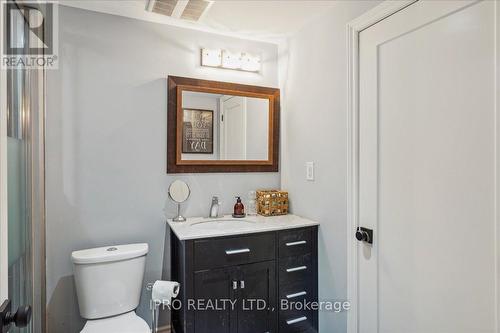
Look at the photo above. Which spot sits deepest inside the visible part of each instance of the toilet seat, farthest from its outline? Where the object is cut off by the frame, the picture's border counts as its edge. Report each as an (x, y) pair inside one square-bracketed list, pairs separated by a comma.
[(125, 323)]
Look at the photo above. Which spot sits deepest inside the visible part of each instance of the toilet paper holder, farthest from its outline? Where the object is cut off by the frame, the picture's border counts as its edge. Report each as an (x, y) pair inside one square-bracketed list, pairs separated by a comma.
[(162, 293)]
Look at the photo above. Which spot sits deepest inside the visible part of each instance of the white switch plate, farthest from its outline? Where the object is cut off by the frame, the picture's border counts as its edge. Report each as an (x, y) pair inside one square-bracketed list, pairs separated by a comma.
[(310, 171)]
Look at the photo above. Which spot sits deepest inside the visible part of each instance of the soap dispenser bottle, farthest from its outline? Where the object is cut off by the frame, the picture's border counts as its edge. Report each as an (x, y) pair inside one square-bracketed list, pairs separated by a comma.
[(239, 209)]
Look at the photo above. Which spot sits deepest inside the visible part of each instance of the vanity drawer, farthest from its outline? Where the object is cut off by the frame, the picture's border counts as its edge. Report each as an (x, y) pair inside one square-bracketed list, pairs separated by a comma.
[(294, 242), (222, 252), (293, 321), (295, 269)]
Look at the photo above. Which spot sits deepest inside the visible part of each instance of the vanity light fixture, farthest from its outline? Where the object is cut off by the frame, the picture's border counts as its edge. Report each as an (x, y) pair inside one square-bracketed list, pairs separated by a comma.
[(211, 57), (250, 63), (230, 60)]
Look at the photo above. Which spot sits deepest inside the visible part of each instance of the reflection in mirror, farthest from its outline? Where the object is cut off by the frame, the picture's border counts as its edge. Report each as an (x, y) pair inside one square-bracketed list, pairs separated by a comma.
[(179, 192), (224, 127)]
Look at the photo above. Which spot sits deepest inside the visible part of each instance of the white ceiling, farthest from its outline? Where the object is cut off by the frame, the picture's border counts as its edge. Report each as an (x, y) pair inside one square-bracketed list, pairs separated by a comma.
[(263, 17), (267, 20)]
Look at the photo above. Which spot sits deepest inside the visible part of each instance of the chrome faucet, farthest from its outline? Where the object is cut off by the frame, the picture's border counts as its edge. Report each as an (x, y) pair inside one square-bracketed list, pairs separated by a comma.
[(214, 209)]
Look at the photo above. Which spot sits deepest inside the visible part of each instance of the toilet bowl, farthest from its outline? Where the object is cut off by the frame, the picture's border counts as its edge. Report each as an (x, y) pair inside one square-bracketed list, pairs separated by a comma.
[(108, 284), (125, 323)]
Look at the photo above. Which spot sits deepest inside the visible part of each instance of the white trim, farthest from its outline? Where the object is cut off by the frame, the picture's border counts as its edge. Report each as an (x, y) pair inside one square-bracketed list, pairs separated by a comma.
[(4, 267), (354, 27), (497, 172)]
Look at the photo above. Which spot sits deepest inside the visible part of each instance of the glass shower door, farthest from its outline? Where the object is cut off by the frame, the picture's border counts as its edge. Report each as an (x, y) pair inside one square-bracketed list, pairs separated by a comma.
[(18, 182), (25, 187)]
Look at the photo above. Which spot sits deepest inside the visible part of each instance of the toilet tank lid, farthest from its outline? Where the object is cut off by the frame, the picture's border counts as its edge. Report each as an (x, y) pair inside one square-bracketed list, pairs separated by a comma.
[(109, 253)]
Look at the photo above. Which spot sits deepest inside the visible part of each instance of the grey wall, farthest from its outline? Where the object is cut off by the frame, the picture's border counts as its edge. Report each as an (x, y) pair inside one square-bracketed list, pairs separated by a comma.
[(313, 73), (106, 142)]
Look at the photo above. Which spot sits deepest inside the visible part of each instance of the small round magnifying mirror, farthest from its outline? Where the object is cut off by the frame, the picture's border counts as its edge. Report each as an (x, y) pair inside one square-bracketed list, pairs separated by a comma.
[(179, 192)]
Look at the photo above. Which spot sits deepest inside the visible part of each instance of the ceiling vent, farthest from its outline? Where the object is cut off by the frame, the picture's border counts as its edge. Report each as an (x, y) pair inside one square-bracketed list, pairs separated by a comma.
[(191, 10)]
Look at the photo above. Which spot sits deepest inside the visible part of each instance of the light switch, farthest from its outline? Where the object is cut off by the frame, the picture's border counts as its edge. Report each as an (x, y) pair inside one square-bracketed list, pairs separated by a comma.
[(310, 171)]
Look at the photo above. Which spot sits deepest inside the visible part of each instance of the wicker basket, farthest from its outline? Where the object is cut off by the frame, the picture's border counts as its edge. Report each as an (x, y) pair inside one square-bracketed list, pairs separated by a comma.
[(272, 202)]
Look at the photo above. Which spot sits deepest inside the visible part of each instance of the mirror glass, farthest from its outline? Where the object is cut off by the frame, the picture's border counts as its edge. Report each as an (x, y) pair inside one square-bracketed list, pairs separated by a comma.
[(224, 127), (179, 191)]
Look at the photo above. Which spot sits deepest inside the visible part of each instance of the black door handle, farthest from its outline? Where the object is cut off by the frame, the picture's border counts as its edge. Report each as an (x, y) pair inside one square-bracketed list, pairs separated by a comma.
[(20, 318), (364, 235)]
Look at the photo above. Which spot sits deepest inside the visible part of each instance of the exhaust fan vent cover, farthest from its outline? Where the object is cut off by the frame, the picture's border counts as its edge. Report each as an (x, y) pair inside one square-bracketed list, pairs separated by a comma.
[(164, 7), (194, 9), (191, 10)]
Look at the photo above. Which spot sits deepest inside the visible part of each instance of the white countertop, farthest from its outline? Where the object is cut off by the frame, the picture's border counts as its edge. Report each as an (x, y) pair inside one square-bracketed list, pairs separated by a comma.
[(203, 227)]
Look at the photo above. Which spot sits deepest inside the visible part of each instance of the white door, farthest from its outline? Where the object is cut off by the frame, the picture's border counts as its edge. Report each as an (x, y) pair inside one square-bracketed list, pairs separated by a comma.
[(234, 124), (428, 170)]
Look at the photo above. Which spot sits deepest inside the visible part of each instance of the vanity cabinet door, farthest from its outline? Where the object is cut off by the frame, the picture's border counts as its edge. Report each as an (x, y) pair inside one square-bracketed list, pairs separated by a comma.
[(257, 298), (213, 293)]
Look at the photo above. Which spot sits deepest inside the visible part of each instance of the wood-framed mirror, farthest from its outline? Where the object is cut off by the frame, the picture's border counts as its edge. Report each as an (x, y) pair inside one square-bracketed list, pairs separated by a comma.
[(221, 127)]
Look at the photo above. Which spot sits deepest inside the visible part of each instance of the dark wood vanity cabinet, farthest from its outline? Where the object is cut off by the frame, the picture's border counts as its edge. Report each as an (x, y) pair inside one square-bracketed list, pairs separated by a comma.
[(232, 291), (239, 284), (297, 276)]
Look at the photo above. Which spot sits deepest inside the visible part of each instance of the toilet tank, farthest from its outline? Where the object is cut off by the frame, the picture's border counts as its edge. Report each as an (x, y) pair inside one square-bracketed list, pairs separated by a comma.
[(109, 279)]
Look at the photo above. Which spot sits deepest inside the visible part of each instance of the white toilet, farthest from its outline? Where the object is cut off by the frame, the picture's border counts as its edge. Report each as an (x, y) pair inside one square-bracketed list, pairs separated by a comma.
[(108, 285)]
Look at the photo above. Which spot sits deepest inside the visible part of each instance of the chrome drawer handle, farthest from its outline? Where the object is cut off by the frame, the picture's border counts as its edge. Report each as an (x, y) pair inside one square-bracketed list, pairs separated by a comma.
[(302, 293), (295, 269), (229, 252), (296, 320), (296, 243)]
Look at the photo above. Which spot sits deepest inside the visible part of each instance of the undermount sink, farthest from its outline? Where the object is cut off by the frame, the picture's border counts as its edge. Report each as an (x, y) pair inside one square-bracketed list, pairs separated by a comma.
[(223, 224)]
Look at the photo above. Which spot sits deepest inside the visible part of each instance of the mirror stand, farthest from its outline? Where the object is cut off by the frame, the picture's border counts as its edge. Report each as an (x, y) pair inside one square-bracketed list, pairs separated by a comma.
[(179, 217), (179, 192)]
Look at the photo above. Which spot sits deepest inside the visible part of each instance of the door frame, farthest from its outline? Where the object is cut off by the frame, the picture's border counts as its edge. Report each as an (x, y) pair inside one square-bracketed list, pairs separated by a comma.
[(354, 28), (4, 267)]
